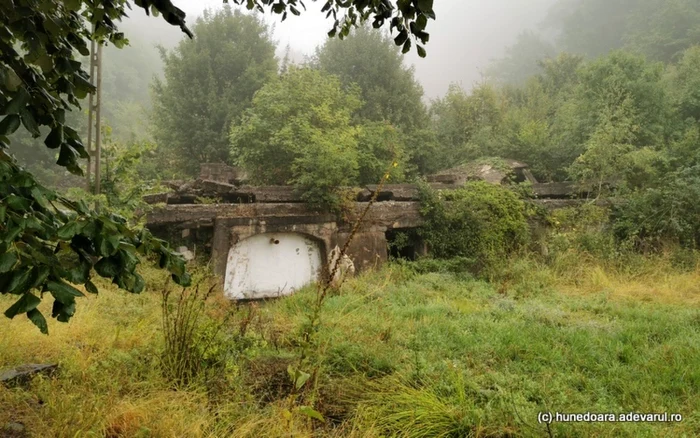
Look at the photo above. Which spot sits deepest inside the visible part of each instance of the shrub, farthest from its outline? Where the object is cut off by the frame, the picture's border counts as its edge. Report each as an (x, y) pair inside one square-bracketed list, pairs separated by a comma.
[(664, 214), (481, 222)]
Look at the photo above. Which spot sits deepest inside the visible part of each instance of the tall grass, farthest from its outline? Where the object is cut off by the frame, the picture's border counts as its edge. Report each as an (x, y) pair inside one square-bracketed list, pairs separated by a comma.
[(405, 353), (186, 341)]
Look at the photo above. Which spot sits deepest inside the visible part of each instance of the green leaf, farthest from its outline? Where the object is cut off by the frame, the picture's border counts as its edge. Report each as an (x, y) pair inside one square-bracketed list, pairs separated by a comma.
[(72, 5), (39, 276), (12, 81), (55, 138), (82, 86), (79, 273), (63, 292), (406, 47), (164, 262), (17, 103), (39, 197), (9, 124), (177, 265), (23, 179), (7, 261), (17, 203), (298, 376), (401, 38), (38, 319), (63, 311), (29, 123), (90, 287), (139, 284), (18, 283), (421, 22), (311, 413), (425, 5), (44, 62), (108, 267), (67, 157), (11, 234), (119, 41), (107, 245), (70, 229), (128, 259), (184, 280), (25, 304), (421, 51)]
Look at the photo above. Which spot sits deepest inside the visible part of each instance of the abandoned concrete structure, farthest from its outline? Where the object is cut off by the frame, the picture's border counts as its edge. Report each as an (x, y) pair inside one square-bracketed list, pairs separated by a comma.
[(265, 241)]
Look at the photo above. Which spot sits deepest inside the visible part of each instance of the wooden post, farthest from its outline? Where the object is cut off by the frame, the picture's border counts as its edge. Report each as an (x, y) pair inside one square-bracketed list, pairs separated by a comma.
[(91, 118), (98, 120)]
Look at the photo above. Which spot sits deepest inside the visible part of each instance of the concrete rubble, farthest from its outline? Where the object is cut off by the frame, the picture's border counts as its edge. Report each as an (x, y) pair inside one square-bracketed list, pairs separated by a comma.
[(22, 374)]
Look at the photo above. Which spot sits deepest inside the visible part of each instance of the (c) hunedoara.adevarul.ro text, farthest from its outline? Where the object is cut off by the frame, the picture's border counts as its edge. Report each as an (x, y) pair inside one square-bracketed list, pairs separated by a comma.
[(589, 417)]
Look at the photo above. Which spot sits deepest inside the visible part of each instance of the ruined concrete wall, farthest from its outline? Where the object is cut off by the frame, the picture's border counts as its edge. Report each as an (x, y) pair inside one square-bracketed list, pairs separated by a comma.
[(367, 250), (221, 173)]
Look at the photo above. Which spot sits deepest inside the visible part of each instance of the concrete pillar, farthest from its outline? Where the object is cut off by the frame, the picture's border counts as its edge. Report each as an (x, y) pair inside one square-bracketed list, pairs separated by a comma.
[(368, 248)]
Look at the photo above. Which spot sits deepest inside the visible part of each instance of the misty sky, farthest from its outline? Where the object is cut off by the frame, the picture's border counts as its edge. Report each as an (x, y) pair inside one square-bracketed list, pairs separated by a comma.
[(466, 36)]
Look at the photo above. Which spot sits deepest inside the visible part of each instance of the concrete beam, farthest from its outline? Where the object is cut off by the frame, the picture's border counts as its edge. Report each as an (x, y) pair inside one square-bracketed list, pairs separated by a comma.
[(389, 214)]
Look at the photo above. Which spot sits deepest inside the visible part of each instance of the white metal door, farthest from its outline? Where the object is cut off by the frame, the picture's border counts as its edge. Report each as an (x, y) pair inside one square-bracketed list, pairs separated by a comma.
[(271, 265)]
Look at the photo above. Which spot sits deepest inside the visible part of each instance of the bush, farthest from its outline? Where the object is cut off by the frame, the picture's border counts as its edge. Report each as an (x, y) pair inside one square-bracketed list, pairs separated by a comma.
[(665, 214), (480, 222), (583, 229)]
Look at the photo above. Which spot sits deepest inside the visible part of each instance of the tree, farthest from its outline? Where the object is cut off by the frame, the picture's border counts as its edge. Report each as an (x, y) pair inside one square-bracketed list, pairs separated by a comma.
[(660, 29), (370, 60), (663, 30), (617, 79), (380, 146), (298, 131), (459, 117), (390, 93), (49, 242), (684, 85), (604, 159), (481, 222), (210, 81), (590, 27), (523, 59)]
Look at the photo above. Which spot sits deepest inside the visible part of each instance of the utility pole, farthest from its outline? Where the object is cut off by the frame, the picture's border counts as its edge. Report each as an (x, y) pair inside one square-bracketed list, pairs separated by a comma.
[(94, 118)]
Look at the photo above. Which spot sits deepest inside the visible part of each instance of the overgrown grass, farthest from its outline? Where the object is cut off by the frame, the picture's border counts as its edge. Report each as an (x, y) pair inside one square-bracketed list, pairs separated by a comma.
[(405, 354)]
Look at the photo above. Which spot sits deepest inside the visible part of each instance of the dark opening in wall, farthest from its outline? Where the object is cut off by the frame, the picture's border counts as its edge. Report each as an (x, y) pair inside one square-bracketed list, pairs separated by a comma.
[(197, 240), (239, 198), (385, 196), (404, 243), (519, 176)]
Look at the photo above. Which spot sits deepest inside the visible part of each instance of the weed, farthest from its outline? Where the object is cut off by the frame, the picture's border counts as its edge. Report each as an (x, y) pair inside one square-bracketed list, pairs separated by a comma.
[(187, 335)]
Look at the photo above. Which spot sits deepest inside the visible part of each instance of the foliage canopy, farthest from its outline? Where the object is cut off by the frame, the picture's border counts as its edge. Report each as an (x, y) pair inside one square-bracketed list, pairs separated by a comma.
[(299, 131), (210, 81)]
